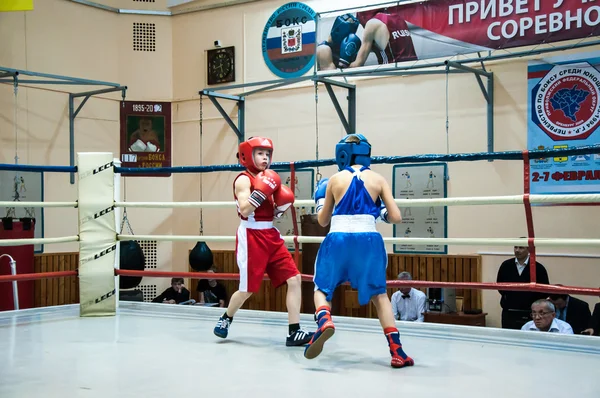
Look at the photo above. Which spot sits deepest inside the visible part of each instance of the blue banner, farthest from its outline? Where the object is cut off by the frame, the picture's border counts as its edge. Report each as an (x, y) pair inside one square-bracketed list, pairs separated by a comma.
[(564, 112)]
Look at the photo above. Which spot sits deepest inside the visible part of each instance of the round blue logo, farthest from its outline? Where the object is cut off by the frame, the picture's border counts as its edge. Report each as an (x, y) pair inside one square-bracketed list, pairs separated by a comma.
[(289, 40)]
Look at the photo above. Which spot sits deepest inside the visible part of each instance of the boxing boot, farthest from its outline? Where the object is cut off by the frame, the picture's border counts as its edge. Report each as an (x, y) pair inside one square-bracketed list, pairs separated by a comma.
[(325, 330)]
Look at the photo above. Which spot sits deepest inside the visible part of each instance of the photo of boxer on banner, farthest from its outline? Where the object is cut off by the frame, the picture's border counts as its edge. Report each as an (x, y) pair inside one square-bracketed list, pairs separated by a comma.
[(446, 28), (364, 38), (379, 37)]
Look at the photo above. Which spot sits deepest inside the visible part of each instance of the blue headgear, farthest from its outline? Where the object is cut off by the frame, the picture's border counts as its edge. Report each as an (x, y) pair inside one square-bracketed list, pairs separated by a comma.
[(343, 26), (349, 153)]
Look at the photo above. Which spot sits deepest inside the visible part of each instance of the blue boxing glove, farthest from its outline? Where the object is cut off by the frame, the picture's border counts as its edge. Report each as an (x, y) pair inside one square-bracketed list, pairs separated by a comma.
[(320, 193), (348, 50), (383, 214)]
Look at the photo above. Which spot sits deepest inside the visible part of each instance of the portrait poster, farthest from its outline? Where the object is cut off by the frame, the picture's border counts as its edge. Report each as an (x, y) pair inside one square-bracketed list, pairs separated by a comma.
[(146, 136)]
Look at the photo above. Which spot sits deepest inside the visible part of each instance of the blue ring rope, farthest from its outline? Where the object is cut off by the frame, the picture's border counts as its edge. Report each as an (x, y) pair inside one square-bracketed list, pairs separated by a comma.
[(460, 157)]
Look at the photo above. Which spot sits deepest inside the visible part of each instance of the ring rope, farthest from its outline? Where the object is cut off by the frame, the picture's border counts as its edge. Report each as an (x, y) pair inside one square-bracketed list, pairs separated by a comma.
[(37, 241), (300, 164), (37, 204), (458, 201), (390, 283), (539, 242), (309, 278), (461, 157)]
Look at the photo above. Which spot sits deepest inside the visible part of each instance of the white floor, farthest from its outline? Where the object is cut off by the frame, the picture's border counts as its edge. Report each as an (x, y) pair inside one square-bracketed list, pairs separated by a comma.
[(153, 350)]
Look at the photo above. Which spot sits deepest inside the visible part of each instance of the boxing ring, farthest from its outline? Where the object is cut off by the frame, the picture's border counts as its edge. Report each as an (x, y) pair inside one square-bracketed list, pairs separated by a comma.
[(106, 347)]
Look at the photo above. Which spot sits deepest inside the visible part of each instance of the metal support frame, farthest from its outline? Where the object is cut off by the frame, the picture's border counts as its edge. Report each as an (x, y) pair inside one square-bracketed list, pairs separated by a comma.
[(74, 112), (350, 123), (488, 95), (240, 129), (9, 75), (425, 68)]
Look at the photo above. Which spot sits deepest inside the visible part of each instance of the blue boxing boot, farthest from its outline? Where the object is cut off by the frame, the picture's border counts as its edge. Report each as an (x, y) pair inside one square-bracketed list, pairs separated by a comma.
[(325, 330), (222, 327)]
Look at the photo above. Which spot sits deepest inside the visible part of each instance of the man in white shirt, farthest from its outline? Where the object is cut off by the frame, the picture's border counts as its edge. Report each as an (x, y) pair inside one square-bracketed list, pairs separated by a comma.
[(544, 319), (408, 304)]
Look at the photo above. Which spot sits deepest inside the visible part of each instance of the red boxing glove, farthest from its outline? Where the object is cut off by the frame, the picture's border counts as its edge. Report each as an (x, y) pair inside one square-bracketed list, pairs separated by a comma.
[(265, 183), (283, 198)]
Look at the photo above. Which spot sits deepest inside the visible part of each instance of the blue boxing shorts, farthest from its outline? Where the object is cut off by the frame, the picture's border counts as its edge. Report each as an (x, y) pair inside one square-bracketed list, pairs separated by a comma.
[(353, 251)]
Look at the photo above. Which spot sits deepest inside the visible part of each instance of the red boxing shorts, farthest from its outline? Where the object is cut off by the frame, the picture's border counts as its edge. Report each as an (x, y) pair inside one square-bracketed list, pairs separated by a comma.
[(260, 249)]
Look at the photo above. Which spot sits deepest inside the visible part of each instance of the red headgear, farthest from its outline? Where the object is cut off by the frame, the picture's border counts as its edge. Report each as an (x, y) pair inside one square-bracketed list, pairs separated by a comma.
[(246, 152)]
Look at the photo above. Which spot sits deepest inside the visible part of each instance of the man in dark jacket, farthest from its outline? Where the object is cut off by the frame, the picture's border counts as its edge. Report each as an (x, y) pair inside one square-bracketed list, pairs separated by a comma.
[(594, 328), (516, 306), (572, 310)]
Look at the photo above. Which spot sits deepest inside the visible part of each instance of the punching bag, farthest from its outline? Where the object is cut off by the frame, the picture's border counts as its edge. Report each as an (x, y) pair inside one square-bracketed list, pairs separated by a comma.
[(201, 258), (131, 258)]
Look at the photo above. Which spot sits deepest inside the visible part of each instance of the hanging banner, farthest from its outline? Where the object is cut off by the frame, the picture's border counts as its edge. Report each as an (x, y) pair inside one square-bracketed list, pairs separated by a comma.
[(444, 28), (564, 112), (146, 136)]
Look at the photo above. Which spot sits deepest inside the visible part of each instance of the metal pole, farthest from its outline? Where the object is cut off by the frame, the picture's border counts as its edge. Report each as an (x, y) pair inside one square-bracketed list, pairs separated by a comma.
[(72, 136), (13, 272), (490, 112), (352, 109), (117, 198), (241, 120), (467, 68)]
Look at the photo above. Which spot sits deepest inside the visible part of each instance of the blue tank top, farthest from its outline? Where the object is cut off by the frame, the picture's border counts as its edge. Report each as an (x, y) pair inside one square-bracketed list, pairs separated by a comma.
[(357, 200)]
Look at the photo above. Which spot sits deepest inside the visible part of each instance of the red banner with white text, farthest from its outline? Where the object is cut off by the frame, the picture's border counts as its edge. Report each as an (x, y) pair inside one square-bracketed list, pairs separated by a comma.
[(444, 28)]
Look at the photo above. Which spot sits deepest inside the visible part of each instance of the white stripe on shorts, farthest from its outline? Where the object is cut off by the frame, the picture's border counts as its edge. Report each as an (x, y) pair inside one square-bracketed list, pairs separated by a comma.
[(242, 257)]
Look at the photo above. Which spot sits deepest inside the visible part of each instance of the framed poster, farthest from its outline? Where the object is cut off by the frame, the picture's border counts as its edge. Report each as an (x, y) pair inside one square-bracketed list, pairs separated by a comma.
[(421, 182), (564, 113), (146, 136), (24, 186), (304, 189)]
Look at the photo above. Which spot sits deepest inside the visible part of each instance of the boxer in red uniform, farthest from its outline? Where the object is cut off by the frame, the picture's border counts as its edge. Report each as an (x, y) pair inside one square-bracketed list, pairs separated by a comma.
[(260, 197), (387, 35)]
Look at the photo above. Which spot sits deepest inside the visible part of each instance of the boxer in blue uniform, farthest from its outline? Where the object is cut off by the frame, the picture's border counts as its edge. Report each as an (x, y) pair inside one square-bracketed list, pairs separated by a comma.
[(353, 250)]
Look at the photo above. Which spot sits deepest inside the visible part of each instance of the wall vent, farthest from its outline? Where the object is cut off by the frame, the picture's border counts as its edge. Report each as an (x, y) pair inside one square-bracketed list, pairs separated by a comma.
[(144, 36)]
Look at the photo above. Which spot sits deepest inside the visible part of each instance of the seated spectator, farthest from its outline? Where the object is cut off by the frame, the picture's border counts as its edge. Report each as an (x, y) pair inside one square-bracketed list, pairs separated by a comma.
[(176, 294), (594, 327), (572, 310), (211, 292), (408, 304), (544, 319)]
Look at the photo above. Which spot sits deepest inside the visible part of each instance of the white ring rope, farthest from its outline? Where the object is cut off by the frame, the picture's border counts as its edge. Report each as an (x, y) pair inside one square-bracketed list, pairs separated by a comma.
[(461, 201), (37, 241), (37, 204), (538, 242)]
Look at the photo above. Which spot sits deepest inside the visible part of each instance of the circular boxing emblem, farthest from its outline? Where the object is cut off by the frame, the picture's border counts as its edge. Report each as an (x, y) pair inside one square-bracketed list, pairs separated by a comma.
[(289, 39), (566, 102)]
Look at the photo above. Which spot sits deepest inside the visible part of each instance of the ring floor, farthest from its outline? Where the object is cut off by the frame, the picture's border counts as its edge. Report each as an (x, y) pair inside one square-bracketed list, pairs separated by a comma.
[(156, 350)]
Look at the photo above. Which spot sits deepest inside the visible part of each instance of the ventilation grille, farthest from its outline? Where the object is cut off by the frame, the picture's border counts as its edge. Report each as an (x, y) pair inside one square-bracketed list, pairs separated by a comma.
[(150, 292), (144, 36), (149, 249), (144, 1)]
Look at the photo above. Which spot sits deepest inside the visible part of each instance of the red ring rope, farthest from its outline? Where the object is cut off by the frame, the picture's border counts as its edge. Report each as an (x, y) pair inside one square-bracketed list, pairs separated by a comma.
[(309, 278), (39, 275)]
